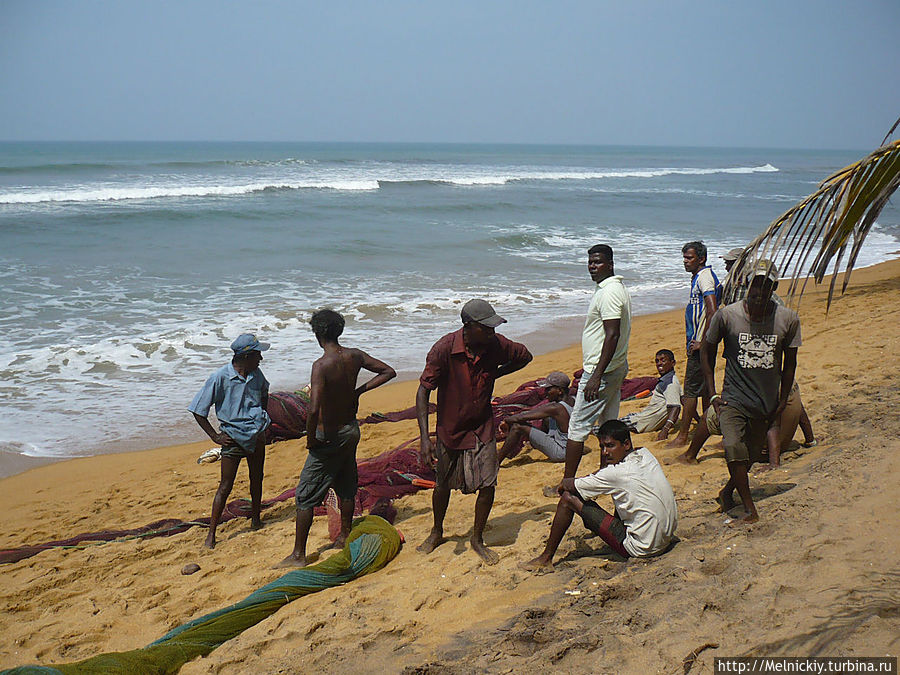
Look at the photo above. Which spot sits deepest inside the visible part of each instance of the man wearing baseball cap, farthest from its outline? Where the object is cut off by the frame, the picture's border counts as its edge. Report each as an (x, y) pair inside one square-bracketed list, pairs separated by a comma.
[(463, 366), (240, 393), (761, 340), (552, 435)]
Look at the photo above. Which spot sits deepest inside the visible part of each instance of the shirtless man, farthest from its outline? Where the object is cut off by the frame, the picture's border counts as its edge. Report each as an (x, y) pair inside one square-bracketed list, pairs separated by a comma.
[(332, 431), (551, 438)]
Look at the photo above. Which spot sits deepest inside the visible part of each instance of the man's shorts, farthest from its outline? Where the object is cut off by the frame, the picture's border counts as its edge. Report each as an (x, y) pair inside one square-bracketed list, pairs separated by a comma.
[(330, 466), (554, 446), (604, 407), (694, 382), (468, 470), (239, 452), (743, 436), (608, 527)]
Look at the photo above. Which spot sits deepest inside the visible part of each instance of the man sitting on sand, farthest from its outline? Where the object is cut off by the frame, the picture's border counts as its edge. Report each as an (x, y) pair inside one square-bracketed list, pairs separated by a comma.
[(463, 366), (332, 432), (551, 438), (240, 393), (645, 515), (761, 340), (778, 437), (661, 412)]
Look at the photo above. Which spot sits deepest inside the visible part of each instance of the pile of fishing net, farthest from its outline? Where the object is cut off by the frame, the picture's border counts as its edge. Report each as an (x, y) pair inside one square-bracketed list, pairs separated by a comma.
[(372, 544)]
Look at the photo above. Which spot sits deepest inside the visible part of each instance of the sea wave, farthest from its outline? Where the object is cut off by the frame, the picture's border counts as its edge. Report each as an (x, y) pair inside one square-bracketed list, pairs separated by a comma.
[(356, 180), (142, 193)]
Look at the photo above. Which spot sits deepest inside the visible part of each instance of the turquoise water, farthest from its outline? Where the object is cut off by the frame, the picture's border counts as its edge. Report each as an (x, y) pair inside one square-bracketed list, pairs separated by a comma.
[(127, 268)]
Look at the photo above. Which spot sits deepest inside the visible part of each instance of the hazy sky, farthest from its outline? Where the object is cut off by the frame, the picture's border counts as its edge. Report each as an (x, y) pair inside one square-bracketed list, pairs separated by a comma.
[(812, 74)]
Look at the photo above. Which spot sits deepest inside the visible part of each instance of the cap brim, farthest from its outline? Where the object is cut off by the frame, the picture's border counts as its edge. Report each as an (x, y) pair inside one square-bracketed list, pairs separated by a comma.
[(263, 346), (492, 321)]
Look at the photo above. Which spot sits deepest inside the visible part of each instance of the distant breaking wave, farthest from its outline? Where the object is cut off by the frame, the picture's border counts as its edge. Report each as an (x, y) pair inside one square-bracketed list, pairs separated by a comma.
[(354, 183)]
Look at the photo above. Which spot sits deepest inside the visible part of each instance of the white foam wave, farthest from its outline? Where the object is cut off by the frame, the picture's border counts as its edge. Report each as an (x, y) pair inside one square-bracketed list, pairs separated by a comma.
[(357, 179), (107, 194)]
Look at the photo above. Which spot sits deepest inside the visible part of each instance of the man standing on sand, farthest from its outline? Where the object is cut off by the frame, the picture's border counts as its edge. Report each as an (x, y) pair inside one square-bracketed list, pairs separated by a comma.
[(604, 345), (706, 291), (551, 438), (240, 393), (463, 366), (761, 341), (332, 432)]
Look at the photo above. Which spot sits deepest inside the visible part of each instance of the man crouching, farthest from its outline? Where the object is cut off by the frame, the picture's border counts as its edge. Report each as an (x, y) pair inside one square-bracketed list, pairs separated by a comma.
[(645, 515)]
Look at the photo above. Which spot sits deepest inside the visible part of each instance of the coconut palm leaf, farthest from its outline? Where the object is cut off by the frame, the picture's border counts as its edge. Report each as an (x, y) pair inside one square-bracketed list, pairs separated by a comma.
[(818, 233)]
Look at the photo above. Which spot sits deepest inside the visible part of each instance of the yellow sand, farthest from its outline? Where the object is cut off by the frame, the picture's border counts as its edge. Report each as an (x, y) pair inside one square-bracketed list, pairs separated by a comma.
[(819, 573)]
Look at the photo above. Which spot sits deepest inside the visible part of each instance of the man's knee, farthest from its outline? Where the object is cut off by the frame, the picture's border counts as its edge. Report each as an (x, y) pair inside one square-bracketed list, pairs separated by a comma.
[(225, 487), (569, 501)]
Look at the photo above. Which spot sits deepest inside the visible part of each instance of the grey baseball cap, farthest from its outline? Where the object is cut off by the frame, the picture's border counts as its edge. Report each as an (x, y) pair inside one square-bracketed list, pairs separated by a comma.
[(733, 254), (557, 378), (480, 311), (763, 268)]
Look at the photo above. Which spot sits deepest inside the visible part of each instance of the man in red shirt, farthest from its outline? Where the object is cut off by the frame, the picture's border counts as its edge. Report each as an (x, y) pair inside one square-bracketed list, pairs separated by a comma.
[(462, 366)]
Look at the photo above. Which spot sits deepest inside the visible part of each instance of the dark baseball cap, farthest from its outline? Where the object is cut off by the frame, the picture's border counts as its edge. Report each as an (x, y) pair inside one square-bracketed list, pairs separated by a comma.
[(480, 311)]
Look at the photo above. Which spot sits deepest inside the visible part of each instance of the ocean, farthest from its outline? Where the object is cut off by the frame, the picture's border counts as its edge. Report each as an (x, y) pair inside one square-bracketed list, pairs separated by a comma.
[(128, 268)]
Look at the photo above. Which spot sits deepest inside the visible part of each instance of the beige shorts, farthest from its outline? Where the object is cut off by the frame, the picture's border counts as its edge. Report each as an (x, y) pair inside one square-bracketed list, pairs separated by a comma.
[(605, 407)]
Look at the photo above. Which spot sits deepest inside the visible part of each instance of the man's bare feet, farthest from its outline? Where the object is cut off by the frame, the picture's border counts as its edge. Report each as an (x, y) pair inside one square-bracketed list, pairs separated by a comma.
[(210, 542), (434, 540), (684, 458), (293, 560), (538, 564), (677, 442), (340, 542), (767, 467), (489, 556), (256, 524), (725, 500), (746, 519)]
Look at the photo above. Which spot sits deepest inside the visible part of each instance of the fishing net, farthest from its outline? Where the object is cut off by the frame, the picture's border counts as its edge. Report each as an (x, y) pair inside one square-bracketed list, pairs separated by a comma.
[(373, 542)]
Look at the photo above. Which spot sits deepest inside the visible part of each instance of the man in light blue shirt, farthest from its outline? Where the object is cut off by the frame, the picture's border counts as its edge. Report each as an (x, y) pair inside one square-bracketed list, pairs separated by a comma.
[(240, 393)]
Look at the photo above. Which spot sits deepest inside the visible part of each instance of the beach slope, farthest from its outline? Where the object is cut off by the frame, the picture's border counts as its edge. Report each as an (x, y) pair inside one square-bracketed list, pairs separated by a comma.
[(818, 575)]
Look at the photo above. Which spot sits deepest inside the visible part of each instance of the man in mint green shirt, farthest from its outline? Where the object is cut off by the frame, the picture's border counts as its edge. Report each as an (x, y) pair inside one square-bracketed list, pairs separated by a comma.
[(604, 343)]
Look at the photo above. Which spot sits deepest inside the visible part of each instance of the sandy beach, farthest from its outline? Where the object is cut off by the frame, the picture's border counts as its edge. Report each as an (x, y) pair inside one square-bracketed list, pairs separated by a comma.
[(818, 575)]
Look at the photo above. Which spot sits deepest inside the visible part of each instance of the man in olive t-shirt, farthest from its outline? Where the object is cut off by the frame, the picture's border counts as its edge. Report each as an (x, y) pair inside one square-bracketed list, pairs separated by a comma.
[(761, 341)]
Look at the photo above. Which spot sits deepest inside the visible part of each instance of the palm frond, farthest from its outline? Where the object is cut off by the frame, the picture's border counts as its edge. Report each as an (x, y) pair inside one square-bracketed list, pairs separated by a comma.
[(829, 226)]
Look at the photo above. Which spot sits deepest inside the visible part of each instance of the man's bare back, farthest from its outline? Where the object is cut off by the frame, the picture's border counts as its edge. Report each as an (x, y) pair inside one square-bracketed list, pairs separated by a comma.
[(334, 396), (337, 371)]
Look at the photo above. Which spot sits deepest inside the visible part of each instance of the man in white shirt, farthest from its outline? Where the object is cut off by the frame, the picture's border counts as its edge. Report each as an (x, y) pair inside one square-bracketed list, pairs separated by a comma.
[(661, 412), (645, 515), (604, 344)]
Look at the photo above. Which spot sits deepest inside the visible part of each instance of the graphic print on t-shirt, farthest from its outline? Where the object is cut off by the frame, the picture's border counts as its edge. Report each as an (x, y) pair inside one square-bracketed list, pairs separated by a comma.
[(756, 351)]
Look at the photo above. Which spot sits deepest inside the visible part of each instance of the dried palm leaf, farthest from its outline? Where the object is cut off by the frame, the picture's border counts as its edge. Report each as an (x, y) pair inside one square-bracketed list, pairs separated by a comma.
[(815, 234)]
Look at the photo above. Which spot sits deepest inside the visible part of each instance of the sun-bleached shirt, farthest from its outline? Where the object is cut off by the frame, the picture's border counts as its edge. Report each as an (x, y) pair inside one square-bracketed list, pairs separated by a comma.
[(465, 385), (643, 497), (611, 300), (239, 404)]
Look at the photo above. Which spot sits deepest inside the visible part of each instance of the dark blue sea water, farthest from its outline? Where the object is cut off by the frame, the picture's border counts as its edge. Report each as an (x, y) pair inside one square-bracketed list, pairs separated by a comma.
[(127, 268)]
